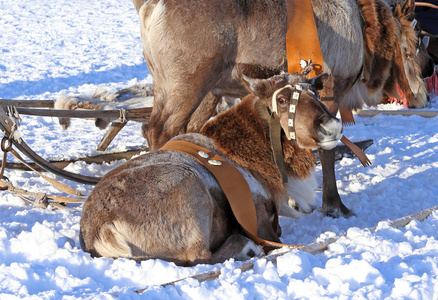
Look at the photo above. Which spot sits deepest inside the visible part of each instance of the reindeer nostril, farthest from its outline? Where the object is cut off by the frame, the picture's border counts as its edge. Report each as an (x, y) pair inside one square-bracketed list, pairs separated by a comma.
[(332, 128), (322, 130), (330, 133)]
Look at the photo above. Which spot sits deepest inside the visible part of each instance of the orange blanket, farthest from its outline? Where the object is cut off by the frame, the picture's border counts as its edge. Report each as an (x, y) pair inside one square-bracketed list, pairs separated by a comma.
[(302, 37)]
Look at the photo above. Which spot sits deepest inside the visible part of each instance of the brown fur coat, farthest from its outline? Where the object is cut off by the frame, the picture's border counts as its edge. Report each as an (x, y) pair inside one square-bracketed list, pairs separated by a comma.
[(229, 129)]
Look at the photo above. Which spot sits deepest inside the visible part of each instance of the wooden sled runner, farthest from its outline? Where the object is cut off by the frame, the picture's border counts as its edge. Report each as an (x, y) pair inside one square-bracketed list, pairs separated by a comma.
[(10, 132), (132, 114), (421, 113), (118, 117)]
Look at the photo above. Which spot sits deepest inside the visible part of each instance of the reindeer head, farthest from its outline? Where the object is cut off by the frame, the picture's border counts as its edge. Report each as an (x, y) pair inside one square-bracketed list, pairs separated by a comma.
[(295, 100), (409, 54), (427, 64)]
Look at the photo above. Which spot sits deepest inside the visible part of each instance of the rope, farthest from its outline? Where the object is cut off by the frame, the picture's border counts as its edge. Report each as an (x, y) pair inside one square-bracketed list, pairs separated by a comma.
[(9, 128), (122, 118), (14, 115), (42, 200)]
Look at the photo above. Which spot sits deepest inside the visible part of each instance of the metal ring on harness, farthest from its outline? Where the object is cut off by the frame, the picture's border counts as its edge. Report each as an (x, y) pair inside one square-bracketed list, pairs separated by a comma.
[(4, 147)]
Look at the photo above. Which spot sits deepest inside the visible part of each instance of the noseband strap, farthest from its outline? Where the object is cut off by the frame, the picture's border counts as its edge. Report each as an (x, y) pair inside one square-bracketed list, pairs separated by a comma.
[(292, 111), (293, 102)]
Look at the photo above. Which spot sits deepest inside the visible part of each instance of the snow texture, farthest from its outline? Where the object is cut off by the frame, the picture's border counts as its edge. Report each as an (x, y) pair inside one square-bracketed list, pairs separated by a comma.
[(68, 48)]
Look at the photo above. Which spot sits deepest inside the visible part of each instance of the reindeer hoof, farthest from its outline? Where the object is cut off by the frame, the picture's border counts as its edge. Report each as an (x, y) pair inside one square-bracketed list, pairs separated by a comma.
[(338, 212)]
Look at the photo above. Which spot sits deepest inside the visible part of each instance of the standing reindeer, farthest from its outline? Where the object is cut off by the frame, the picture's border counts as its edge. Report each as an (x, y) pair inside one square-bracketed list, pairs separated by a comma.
[(197, 50)]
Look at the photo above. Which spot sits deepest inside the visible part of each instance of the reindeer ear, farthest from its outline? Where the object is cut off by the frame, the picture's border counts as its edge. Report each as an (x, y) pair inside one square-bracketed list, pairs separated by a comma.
[(407, 8), (258, 87), (318, 81)]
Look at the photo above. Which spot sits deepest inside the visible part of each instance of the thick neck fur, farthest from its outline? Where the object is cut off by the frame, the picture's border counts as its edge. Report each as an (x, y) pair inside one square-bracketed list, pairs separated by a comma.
[(243, 137)]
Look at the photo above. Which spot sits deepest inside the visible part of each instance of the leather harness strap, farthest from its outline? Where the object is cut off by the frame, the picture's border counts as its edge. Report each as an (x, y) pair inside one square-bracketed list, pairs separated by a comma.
[(230, 179), (273, 122), (302, 44), (234, 186)]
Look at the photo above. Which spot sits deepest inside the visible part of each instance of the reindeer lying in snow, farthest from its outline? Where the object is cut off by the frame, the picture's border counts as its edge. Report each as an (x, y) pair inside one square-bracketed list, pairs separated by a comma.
[(166, 205)]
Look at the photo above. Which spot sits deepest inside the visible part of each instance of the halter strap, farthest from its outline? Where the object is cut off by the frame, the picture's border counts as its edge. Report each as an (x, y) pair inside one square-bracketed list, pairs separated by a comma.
[(292, 111), (293, 102), (273, 122)]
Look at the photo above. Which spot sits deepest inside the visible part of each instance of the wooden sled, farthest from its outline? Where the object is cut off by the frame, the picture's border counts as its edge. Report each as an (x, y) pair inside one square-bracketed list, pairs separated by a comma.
[(411, 112), (118, 119)]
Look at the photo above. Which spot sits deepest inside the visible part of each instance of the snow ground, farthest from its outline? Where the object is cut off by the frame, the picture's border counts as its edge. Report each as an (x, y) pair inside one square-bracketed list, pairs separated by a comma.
[(49, 49)]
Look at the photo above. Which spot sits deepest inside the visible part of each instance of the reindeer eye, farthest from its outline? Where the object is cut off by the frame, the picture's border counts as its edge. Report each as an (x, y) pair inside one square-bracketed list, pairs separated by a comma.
[(282, 100)]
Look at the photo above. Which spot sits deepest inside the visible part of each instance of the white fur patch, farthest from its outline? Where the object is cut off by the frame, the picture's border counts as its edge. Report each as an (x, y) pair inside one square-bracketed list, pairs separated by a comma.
[(334, 134), (112, 241), (64, 102), (69, 103), (286, 211), (254, 185), (243, 255), (303, 192)]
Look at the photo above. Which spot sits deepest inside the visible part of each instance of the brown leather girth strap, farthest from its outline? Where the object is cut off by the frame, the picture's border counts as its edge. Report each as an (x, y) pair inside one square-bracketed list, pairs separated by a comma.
[(233, 184), (302, 40), (365, 161), (346, 116)]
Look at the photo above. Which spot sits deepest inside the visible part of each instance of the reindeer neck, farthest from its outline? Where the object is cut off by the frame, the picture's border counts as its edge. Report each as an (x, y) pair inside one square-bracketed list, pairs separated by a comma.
[(242, 136)]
